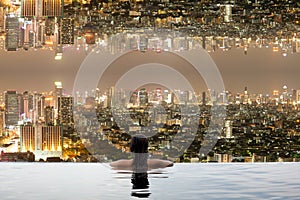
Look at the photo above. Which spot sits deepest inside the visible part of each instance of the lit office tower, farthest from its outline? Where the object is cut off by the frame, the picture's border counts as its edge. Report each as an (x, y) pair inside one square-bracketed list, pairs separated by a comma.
[(58, 90), (1, 19), (49, 115), (12, 33), (2, 112), (143, 97), (133, 98), (65, 111), (52, 8), (29, 8), (49, 26), (40, 106), (11, 108), (27, 103), (66, 31), (27, 138), (298, 96), (51, 138)]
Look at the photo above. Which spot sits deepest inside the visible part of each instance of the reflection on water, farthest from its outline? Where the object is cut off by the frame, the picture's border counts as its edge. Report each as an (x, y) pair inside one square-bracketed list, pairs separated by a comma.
[(89, 181), (140, 181), (140, 185)]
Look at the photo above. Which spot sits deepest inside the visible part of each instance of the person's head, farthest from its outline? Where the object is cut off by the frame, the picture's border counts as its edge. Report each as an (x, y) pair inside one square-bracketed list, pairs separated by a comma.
[(139, 144)]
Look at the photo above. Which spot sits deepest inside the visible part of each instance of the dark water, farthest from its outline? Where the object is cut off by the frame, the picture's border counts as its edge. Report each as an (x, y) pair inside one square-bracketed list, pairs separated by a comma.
[(43, 181)]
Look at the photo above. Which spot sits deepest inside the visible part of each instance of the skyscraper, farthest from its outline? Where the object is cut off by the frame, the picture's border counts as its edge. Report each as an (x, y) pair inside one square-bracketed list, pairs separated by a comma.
[(65, 111), (66, 31), (43, 141), (2, 121), (143, 97), (49, 115), (51, 138), (58, 90), (29, 8), (1, 19), (12, 33), (298, 96), (27, 103), (52, 8), (28, 138), (12, 111)]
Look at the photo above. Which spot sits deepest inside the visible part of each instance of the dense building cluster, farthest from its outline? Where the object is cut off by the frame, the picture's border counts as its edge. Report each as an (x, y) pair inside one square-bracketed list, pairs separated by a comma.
[(255, 127), (235, 127), (54, 24), (89, 126)]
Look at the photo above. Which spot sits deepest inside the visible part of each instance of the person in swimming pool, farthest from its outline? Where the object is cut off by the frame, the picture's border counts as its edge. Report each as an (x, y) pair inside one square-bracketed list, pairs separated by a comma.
[(140, 162)]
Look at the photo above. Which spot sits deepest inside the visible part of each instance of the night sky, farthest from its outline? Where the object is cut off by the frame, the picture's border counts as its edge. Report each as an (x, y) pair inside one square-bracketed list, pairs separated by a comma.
[(261, 70)]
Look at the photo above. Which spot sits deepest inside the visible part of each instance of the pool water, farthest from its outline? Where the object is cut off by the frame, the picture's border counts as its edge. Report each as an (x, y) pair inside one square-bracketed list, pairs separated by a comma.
[(89, 181)]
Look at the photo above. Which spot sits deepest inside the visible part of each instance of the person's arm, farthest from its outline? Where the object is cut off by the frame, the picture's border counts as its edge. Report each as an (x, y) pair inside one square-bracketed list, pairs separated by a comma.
[(157, 163), (121, 165)]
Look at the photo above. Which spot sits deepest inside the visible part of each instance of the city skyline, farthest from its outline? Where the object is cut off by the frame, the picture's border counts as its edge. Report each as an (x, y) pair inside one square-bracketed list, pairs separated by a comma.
[(261, 70)]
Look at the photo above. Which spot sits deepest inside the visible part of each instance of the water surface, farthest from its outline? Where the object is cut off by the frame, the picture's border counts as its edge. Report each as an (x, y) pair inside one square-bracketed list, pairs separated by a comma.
[(89, 181)]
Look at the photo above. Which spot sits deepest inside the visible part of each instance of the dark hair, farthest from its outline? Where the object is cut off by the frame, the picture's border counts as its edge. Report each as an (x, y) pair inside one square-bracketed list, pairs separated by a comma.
[(139, 144)]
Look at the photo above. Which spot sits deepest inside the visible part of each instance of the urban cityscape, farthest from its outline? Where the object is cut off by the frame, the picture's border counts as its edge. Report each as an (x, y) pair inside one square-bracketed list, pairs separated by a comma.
[(256, 128), (92, 127), (85, 24)]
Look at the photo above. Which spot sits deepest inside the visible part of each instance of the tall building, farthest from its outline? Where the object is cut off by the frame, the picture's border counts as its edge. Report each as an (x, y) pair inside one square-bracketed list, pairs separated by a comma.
[(298, 96), (43, 141), (65, 111), (12, 33), (49, 26), (49, 115), (52, 8), (58, 92), (27, 103), (66, 31), (228, 129), (1, 19), (12, 111), (29, 8), (2, 112), (28, 138), (143, 97), (51, 138)]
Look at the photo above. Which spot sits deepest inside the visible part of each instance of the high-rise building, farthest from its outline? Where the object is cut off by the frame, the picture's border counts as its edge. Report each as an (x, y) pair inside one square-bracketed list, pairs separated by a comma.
[(27, 103), (12, 33), (143, 97), (49, 26), (51, 138), (1, 19), (298, 96), (12, 111), (40, 105), (228, 129), (43, 141), (28, 138), (65, 111), (49, 115), (66, 31), (58, 92), (52, 8), (2, 112), (29, 8)]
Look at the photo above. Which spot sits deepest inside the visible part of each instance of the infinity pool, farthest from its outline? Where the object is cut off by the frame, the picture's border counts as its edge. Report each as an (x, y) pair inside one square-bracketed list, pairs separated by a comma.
[(89, 181)]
